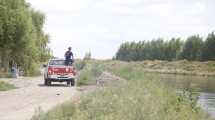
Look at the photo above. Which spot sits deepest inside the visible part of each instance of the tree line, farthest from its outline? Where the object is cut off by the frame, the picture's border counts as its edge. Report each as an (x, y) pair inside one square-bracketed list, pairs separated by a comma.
[(193, 48), (22, 40)]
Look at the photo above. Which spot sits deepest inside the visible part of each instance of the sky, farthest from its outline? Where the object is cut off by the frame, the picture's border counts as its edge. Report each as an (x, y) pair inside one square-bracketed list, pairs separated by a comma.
[(100, 26)]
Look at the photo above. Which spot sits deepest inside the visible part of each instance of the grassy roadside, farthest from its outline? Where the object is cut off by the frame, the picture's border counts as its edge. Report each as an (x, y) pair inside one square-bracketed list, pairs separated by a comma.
[(143, 97), (158, 101), (89, 72), (6, 86), (5, 75)]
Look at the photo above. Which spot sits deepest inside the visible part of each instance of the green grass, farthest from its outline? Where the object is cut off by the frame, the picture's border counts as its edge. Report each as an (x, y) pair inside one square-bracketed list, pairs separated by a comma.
[(89, 73), (6, 86), (5, 75), (142, 98), (60, 112)]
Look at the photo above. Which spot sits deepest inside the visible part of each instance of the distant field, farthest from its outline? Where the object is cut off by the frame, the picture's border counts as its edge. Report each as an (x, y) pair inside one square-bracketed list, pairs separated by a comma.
[(141, 97), (182, 67)]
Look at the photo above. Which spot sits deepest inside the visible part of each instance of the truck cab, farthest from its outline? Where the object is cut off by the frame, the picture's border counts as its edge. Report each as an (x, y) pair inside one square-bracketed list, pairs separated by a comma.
[(57, 71)]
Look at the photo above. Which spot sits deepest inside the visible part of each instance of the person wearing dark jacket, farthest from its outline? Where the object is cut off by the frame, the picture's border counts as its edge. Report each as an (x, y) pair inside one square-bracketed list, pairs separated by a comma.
[(69, 59)]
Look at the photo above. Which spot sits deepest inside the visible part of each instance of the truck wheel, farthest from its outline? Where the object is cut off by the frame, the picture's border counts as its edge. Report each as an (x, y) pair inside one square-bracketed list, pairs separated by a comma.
[(49, 82), (73, 82), (68, 82), (45, 82)]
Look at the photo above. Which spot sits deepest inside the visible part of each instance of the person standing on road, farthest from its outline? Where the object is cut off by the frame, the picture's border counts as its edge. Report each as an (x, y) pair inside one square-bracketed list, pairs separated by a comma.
[(69, 57)]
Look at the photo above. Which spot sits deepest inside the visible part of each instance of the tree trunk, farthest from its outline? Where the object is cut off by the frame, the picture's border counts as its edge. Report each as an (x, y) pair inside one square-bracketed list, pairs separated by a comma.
[(4, 61)]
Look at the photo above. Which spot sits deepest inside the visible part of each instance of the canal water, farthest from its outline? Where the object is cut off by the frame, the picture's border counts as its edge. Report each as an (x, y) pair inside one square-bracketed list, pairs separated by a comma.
[(204, 85)]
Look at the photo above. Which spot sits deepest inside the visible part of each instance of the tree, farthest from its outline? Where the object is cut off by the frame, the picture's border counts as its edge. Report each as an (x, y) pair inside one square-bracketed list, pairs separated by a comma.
[(192, 48), (22, 40), (173, 49), (42, 41), (208, 51), (123, 52)]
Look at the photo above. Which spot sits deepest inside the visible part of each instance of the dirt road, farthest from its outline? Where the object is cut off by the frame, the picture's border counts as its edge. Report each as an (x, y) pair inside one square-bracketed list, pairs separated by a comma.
[(21, 103)]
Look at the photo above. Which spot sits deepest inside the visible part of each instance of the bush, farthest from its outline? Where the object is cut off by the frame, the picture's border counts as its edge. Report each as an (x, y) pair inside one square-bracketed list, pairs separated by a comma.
[(34, 70), (90, 72), (60, 112), (80, 64), (87, 56)]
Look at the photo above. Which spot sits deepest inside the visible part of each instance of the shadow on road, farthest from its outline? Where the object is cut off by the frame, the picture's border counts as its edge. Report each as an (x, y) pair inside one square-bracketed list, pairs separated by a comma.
[(54, 85)]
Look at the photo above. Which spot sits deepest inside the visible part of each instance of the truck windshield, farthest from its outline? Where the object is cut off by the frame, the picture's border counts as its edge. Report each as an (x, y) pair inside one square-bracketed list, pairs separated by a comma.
[(57, 62)]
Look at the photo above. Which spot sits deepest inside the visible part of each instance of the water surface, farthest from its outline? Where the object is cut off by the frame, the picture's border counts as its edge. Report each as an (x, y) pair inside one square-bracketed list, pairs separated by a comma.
[(204, 85)]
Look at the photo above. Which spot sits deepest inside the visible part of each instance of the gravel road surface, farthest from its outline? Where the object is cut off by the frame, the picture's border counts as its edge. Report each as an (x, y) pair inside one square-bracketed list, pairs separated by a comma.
[(21, 103)]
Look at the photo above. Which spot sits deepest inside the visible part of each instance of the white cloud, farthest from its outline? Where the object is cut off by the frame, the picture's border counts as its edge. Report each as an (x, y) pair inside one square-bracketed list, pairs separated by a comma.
[(100, 26)]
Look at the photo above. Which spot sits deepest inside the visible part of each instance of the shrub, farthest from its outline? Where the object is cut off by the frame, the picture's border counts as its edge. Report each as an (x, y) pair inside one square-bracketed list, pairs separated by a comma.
[(34, 70), (90, 72), (80, 64), (60, 112)]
